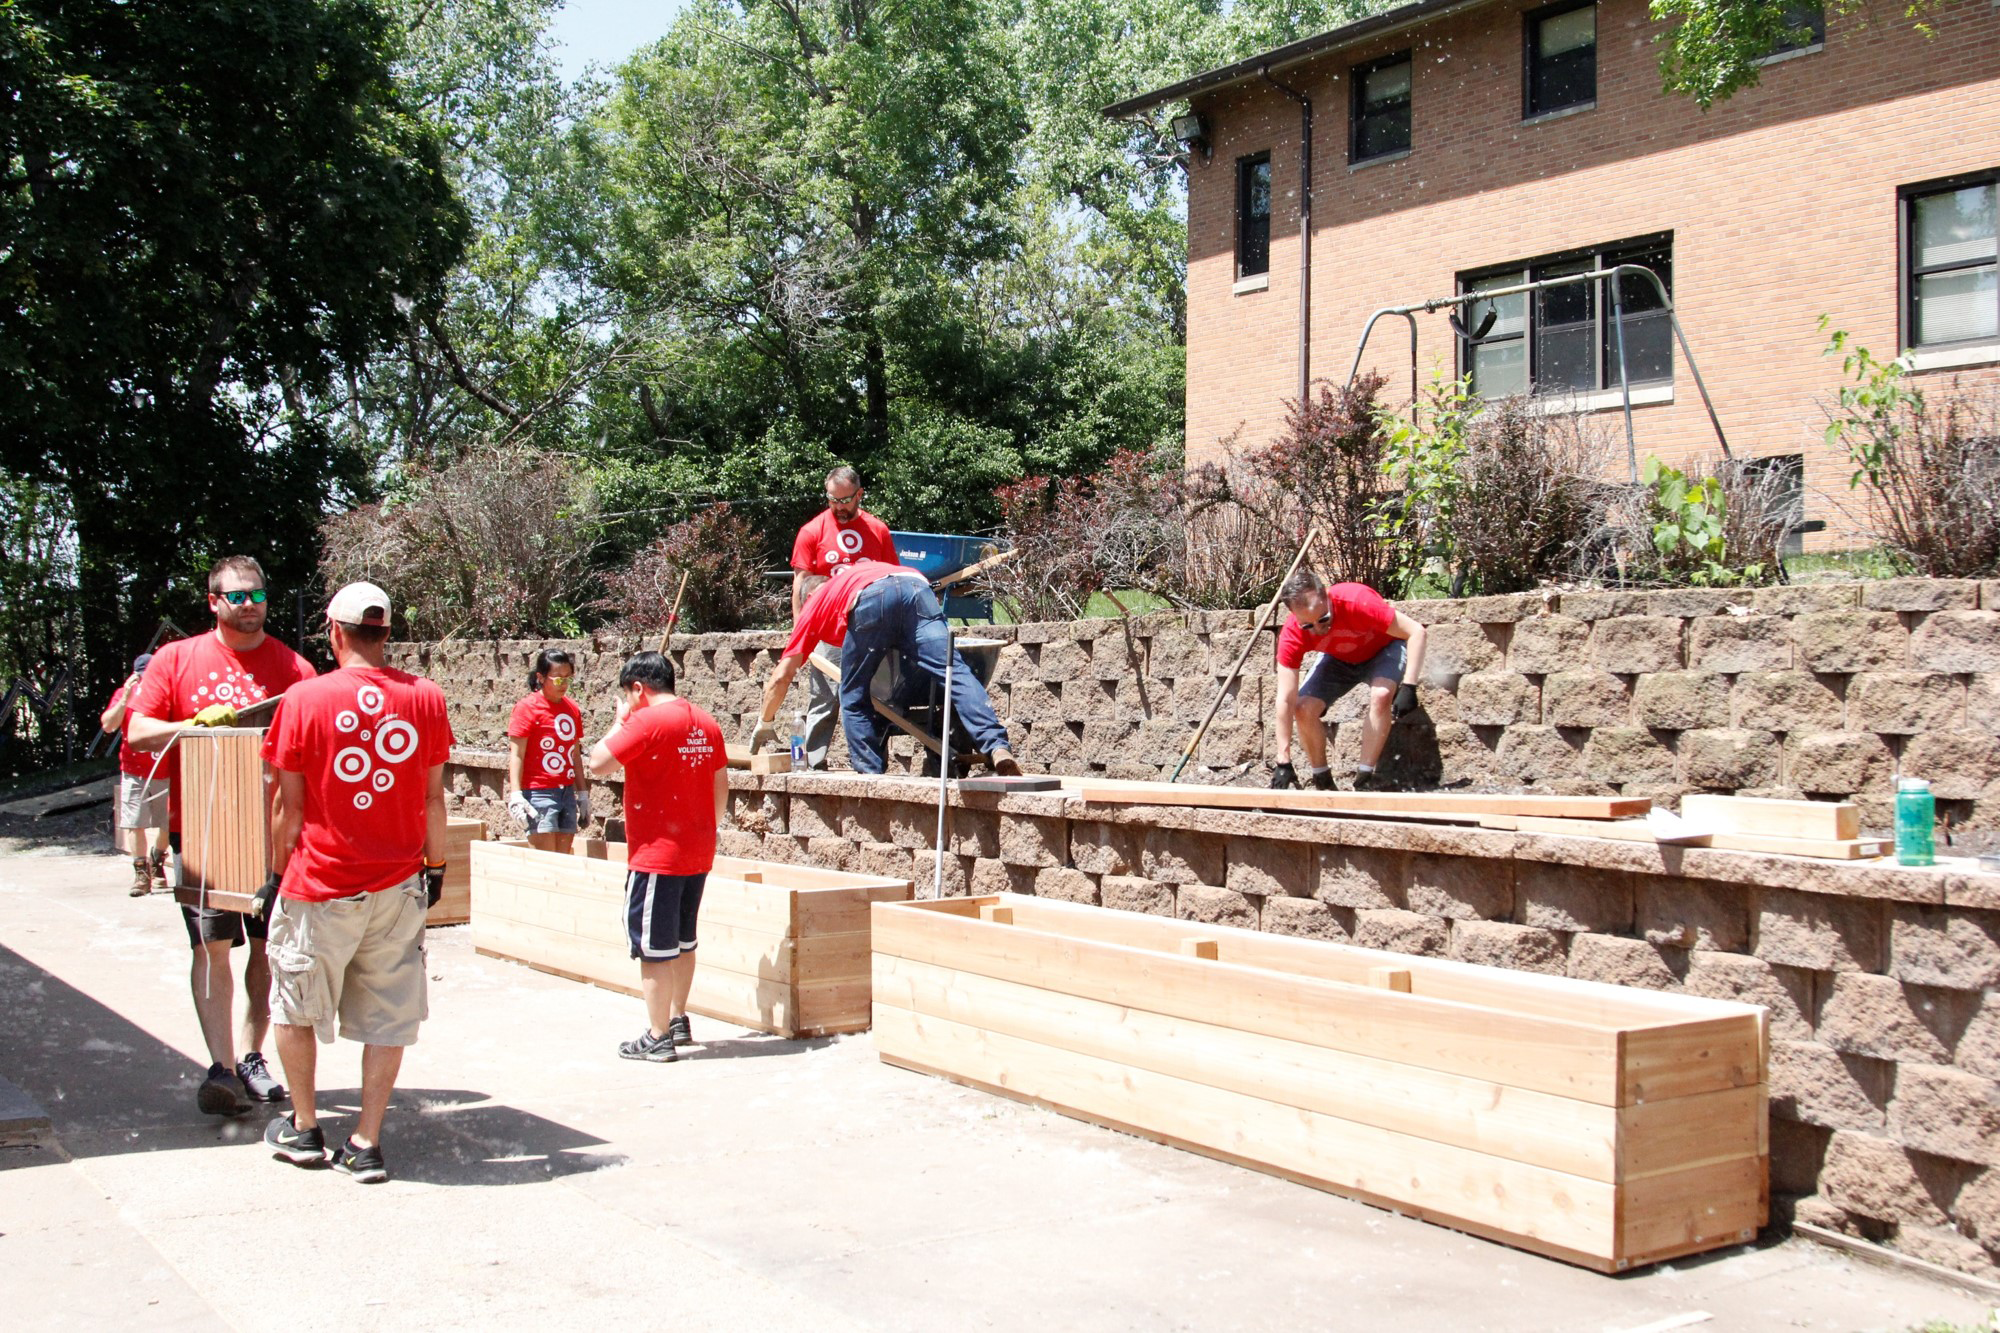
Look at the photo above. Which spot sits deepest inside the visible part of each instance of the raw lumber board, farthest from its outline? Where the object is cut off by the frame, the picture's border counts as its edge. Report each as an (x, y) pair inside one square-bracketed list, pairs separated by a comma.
[(1437, 804), (1310, 1080), (1826, 821), (1009, 785), (1637, 830), (774, 761), (454, 905), (69, 798)]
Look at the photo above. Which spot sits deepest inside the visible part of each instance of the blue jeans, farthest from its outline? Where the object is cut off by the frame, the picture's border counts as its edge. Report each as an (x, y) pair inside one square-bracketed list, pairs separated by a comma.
[(901, 613), (555, 809)]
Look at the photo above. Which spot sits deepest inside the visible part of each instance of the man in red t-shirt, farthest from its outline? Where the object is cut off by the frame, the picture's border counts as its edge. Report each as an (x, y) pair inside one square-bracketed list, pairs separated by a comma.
[(202, 682), (1360, 637), (870, 609), (142, 796), (676, 790), (838, 535), (357, 856)]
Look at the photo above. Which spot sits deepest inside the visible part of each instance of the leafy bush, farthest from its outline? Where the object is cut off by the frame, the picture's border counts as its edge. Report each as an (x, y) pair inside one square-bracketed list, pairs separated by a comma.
[(1932, 462), (497, 543), (1532, 504), (1327, 468), (722, 555)]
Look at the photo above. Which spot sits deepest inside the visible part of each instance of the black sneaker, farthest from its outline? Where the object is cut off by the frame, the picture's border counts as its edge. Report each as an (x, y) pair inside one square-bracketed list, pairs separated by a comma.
[(364, 1164), (257, 1080), (300, 1147), (222, 1093), (646, 1046), (678, 1029)]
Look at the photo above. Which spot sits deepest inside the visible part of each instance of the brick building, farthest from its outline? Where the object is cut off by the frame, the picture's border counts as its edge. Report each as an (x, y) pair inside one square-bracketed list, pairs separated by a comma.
[(1460, 144)]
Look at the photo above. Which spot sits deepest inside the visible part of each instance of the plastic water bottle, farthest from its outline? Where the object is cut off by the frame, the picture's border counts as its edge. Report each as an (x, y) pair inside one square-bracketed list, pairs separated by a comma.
[(1916, 823), (798, 751)]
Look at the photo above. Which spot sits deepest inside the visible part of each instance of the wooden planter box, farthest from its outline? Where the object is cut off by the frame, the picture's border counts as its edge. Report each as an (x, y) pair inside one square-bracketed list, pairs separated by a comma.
[(784, 948), (454, 905), (1604, 1126), (225, 824)]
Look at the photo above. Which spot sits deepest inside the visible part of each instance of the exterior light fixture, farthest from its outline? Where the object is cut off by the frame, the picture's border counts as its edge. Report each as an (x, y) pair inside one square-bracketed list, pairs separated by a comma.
[(1192, 133)]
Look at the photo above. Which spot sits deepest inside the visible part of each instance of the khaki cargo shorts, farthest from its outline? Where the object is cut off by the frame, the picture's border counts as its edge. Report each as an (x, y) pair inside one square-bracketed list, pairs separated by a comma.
[(358, 959)]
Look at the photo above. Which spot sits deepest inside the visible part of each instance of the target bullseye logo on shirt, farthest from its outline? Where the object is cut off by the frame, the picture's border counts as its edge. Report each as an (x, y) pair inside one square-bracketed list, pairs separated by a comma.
[(383, 743), (549, 733)]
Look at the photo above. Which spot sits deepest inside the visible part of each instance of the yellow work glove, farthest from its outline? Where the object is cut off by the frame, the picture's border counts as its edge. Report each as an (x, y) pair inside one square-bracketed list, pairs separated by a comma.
[(215, 715)]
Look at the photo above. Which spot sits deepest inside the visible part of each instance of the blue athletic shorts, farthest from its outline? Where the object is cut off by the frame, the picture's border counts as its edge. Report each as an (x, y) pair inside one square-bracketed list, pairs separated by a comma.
[(660, 912)]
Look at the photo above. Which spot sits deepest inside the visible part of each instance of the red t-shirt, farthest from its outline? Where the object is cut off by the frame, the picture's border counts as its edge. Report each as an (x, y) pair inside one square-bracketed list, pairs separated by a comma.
[(188, 675), (1359, 630), (136, 762), (824, 618), (365, 740), (552, 732), (671, 751), (824, 545)]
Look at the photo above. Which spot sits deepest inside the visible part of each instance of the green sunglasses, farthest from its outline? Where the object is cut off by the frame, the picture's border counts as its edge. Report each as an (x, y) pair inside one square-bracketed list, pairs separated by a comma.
[(238, 597)]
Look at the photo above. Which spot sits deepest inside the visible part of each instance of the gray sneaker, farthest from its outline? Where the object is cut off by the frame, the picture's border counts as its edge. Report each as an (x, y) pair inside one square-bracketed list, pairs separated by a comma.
[(257, 1080), (222, 1093)]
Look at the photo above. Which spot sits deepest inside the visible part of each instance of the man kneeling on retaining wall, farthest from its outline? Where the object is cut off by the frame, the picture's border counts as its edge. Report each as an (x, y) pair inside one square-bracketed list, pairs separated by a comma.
[(1359, 637)]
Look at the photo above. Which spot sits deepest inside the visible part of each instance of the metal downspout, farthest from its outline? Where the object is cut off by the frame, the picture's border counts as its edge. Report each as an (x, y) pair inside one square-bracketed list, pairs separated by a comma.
[(1305, 227)]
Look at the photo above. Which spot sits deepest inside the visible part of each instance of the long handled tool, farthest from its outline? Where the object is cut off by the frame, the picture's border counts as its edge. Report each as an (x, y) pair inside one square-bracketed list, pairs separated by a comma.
[(945, 755), (673, 616), (1244, 656)]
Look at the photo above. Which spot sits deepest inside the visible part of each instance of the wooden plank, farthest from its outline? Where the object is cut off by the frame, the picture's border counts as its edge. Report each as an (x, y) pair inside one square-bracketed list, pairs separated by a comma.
[(1826, 821), (454, 905), (1638, 830), (1683, 1212), (1692, 1131), (750, 1002), (1390, 978), (1104, 791), (790, 876), (771, 761), (1699, 1055), (1535, 1206), (1545, 1054), (832, 1006), (828, 913), (1439, 978), (1537, 1128)]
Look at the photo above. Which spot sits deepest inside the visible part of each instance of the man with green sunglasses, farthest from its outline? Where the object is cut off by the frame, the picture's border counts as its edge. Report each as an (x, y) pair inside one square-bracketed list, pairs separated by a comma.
[(202, 682)]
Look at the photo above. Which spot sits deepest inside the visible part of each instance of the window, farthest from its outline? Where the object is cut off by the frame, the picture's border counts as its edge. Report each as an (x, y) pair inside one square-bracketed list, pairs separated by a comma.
[(1380, 120), (1561, 57), (1565, 340), (1951, 295), (1253, 215), (1805, 28)]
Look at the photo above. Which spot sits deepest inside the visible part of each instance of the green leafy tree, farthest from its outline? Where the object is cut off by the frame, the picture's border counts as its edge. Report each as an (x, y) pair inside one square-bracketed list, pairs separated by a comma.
[(212, 211), (1715, 46)]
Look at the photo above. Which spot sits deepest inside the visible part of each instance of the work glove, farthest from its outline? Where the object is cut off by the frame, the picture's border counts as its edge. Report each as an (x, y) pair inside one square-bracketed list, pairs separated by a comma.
[(1283, 777), (583, 809), (215, 715), (433, 884), (1323, 780), (517, 806), (764, 733), (265, 896), (1406, 701)]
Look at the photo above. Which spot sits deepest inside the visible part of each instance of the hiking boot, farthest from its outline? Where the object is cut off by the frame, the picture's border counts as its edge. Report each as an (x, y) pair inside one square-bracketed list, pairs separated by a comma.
[(364, 1164), (257, 1080), (142, 877), (1004, 763), (222, 1093), (300, 1147), (159, 868), (678, 1029), (646, 1046)]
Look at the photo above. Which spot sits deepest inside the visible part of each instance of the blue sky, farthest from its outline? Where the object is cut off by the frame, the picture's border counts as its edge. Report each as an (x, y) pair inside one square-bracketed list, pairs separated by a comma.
[(604, 32)]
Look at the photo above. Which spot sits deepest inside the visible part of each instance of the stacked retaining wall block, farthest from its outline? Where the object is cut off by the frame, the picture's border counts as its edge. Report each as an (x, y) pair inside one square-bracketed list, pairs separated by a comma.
[(1824, 690)]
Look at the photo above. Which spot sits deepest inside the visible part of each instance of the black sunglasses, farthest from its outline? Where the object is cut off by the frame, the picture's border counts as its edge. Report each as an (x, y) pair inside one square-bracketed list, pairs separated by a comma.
[(238, 597)]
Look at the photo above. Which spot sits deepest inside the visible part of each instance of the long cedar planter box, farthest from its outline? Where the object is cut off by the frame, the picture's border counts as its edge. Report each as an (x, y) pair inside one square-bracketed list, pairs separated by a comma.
[(784, 948), (454, 905), (1603, 1126)]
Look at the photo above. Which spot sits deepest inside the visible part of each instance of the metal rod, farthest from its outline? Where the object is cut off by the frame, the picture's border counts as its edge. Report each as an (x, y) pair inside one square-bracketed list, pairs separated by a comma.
[(1624, 382), (673, 616), (945, 753), (1244, 656)]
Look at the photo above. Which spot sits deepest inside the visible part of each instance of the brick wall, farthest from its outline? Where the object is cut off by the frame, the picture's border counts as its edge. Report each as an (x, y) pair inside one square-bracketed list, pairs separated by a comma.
[(1822, 689), (1782, 203)]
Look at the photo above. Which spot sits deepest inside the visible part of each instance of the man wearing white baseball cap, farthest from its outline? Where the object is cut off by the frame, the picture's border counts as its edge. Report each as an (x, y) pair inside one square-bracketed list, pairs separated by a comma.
[(357, 851)]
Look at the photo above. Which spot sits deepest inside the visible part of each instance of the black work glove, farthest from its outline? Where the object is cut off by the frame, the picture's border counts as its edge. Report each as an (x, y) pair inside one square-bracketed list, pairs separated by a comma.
[(433, 885), (1283, 777), (266, 895), (1406, 701), (1322, 781)]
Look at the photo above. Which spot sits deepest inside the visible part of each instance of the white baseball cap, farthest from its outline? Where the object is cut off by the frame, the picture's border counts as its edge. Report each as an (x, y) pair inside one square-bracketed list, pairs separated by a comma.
[(359, 604)]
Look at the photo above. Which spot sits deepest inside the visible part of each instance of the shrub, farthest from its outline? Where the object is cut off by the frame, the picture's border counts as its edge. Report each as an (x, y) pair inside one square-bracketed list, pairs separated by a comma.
[(1532, 505), (722, 555), (1931, 459), (497, 543), (1327, 468)]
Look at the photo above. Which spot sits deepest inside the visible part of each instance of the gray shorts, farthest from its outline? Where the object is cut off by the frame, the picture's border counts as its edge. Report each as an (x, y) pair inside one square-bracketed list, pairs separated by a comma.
[(555, 809), (359, 960), (141, 804), (1333, 677)]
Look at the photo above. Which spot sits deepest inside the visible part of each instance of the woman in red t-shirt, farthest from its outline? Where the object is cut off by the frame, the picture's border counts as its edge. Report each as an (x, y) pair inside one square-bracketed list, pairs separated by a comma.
[(546, 790)]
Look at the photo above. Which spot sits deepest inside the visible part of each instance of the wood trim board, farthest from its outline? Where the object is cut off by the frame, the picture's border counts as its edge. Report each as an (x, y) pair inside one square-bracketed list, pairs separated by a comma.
[(1439, 805), (1638, 830)]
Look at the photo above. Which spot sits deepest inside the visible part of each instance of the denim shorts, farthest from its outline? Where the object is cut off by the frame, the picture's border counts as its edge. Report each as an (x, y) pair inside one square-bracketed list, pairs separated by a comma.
[(1333, 677), (555, 809)]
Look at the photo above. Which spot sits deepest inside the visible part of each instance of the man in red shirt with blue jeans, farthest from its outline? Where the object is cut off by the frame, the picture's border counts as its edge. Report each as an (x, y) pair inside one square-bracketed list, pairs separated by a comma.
[(840, 534), (1359, 637), (357, 856), (676, 790)]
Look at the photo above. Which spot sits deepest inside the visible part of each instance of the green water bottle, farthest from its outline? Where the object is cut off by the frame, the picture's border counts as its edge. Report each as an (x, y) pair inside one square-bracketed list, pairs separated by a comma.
[(1916, 823)]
